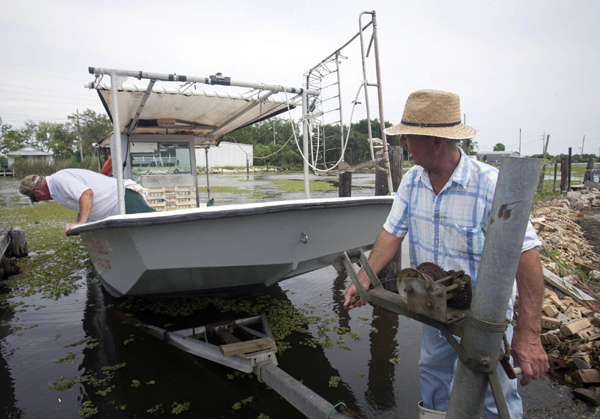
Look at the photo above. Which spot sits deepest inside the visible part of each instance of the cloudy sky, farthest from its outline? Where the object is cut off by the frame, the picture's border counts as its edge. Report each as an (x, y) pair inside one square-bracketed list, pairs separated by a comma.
[(529, 65)]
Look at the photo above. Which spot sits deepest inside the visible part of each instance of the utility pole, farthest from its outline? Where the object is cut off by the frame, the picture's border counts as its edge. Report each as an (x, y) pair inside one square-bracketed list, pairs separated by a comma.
[(79, 135), (274, 132), (543, 140), (519, 141), (582, 144)]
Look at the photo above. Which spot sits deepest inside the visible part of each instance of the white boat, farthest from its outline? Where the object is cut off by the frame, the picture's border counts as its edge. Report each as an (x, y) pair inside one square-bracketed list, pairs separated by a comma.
[(210, 249), (235, 248)]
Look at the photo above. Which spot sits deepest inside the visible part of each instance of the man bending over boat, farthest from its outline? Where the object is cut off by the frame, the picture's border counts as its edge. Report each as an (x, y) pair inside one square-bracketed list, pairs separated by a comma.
[(444, 205), (92, 194)]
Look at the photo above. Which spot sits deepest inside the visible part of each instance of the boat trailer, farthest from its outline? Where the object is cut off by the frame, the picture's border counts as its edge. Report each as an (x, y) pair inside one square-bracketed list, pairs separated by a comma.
[(256, 356)]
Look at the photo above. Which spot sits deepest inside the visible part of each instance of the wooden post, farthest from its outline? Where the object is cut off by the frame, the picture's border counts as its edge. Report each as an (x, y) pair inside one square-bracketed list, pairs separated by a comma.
[(396, 162), (345, 179), (564, 173), (18, 244), (589, 171), (381, 187), (569, 164), (555, 168)]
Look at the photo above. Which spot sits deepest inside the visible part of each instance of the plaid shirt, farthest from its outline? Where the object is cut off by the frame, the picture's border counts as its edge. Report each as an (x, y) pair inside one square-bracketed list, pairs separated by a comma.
[(448, 229)]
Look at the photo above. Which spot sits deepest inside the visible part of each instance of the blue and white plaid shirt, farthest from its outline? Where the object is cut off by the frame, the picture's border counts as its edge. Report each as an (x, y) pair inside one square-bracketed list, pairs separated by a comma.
[(448, 229)]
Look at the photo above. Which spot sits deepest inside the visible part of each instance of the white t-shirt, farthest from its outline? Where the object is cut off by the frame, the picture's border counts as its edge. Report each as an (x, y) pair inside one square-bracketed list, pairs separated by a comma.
[(66, 187)]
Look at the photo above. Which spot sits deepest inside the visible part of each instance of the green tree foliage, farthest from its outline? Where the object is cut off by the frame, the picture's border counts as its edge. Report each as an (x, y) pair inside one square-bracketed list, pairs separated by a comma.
[(92, 127), (499, 147), (60, 139)]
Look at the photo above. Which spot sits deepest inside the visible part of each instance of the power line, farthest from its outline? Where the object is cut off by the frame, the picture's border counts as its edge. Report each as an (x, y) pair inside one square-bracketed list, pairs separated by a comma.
[(35, 94), (41, 74), (43, 90), (43, 101)]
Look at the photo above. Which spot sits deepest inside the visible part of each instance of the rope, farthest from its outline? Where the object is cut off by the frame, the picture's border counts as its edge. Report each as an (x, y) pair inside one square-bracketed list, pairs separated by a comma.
[(488, 326), (262, 157), (334, 407), (345, 143)]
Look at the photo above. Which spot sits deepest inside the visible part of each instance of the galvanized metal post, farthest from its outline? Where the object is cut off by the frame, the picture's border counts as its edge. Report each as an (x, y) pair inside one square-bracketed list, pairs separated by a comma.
[(115, 82), (512, 204), (305, 139)]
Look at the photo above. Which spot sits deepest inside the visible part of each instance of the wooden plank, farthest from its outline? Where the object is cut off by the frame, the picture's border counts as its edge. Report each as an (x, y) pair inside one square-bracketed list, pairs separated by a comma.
[(247, 346), (559, 283)]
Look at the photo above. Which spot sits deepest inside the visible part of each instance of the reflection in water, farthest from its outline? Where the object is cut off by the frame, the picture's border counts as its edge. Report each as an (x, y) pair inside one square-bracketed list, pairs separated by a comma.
[(383, 350), (8, 407)]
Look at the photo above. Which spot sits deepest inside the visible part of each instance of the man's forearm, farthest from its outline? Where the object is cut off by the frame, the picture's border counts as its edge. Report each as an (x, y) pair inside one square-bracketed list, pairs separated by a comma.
[(530, 283), (86, 202)]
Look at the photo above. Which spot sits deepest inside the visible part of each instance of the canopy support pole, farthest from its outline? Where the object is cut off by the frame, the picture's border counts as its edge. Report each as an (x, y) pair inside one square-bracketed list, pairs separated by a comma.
[(115, 82)]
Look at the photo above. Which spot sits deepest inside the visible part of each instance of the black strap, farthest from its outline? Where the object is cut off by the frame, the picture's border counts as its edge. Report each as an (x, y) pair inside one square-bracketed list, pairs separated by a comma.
[(426, 125)]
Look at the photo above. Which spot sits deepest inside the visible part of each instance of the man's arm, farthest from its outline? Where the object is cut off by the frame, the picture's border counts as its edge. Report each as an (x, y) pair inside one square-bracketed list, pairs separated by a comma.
[(86, 202), (527, 348), (384, 250)]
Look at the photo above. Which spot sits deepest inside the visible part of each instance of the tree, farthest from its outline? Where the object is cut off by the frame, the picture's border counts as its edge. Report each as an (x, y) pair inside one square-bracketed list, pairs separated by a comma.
[(93, 127), (10, 140), (499, 147)]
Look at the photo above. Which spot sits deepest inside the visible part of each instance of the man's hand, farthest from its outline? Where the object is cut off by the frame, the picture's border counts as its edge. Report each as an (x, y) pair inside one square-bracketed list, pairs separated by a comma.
[(70, 226), (352, 299), (386, 247), (529, 354), (527, 348)]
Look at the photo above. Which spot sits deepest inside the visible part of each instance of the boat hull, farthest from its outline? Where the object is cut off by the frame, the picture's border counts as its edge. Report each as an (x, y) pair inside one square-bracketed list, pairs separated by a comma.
[(241, 247)]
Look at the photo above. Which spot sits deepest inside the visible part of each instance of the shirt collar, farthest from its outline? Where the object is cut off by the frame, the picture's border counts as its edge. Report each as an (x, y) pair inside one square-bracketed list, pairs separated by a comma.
[(461, 173)]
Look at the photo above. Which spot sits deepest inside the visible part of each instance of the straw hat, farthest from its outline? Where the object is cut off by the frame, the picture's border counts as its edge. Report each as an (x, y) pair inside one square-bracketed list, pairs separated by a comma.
[(29, 184), (433, 113)]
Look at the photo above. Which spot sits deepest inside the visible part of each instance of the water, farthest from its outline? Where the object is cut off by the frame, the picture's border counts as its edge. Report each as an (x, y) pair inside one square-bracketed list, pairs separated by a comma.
[(378, 373)]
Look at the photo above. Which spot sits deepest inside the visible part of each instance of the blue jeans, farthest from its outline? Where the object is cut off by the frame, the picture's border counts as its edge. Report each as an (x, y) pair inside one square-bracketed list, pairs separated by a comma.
[(437, 367)]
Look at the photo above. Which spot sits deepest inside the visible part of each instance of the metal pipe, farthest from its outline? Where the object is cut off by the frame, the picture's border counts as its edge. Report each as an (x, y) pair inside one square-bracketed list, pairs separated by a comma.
[(207, 173), (305, 140), (136, 119), (211, 80), (364, 68), (339, 85), (301, 397), (512, 204), (386, 155), (115, 81)]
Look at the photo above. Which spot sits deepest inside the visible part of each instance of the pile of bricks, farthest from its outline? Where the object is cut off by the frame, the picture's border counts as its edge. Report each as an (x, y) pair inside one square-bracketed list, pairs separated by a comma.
[(571, 327)]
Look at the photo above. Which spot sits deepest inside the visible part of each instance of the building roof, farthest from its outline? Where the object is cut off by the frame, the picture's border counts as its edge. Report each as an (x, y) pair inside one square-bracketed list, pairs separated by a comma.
[(29, 151), (497, 153)]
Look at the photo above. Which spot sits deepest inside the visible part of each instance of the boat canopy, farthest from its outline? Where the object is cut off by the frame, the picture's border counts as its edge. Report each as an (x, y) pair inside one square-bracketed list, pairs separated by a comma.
[(187, 111)]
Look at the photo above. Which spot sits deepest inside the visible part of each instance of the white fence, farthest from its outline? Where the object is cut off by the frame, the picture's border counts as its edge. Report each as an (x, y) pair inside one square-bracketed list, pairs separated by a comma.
[(226, 154)]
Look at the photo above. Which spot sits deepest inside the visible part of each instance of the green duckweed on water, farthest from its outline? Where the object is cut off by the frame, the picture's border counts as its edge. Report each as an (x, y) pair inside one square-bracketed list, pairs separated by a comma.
[(56, 264)]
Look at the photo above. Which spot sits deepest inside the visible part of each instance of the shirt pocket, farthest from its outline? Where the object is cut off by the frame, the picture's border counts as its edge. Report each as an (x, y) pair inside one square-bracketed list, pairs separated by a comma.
[(463, 241)]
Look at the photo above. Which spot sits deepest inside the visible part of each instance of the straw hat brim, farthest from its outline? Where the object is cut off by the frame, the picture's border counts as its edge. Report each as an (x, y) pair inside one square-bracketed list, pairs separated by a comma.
[(457, 132)]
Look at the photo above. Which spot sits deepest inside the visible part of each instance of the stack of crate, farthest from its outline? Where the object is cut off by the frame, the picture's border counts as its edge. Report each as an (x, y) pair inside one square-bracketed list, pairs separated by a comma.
[(171, 197)]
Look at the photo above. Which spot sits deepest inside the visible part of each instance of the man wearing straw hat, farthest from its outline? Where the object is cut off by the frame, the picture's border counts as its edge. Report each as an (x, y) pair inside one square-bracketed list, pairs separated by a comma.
[(444, 204)]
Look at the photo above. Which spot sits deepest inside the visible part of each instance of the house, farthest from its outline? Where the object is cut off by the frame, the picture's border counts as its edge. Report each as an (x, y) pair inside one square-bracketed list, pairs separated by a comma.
[(494, 157), (29, 154)]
